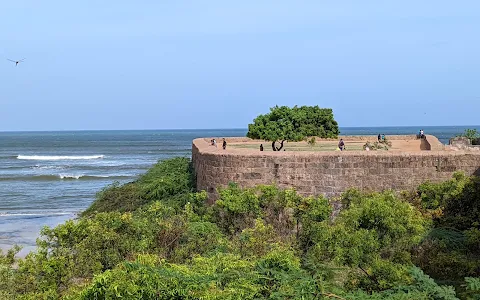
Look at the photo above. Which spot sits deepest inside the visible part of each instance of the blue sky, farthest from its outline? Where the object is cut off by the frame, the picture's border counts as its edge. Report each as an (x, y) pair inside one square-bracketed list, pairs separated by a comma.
[(217, 64)]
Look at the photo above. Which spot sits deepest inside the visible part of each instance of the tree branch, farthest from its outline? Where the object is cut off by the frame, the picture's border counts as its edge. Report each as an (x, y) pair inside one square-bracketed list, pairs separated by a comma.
[(368, 275), (281, 145)]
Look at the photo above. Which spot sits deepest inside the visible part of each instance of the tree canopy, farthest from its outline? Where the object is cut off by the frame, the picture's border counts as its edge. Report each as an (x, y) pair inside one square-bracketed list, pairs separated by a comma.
[(293, 124)]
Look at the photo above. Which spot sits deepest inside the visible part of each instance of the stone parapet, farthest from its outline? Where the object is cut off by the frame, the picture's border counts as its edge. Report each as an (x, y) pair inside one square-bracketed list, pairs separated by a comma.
[(327, 173)]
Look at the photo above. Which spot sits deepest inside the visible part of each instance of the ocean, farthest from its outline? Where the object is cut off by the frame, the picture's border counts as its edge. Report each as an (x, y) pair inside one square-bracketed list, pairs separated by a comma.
[(47, 178)]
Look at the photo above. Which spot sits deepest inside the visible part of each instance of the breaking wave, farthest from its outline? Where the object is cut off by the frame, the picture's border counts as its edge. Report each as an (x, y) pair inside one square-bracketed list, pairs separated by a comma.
[(55, 157), (6, 214), (48, 167), (63, 177)]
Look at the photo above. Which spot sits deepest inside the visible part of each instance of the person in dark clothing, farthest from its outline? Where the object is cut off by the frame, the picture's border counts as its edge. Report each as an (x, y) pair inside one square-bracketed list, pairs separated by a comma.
[(261, 147), (379, 137), (224, 145), (341, 145)]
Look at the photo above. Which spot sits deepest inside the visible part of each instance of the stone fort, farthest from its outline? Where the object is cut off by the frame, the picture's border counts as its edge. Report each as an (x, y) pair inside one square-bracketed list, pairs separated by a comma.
[(407, 164)]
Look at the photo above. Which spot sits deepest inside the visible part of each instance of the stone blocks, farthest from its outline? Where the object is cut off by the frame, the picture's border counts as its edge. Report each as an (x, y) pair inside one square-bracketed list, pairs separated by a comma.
[(329, 173)]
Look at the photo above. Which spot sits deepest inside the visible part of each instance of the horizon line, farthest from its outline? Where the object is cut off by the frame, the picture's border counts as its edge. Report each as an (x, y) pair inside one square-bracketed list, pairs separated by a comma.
[(233, 128)]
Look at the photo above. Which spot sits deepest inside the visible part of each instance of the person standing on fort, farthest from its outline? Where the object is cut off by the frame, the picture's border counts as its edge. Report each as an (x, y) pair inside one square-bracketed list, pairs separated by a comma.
[(261, 147), (215, 142), (341, 145), (379, 137), (224, 144)]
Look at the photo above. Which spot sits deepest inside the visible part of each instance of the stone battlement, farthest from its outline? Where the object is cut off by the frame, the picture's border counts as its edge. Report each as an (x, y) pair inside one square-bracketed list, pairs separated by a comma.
[(328, 173)]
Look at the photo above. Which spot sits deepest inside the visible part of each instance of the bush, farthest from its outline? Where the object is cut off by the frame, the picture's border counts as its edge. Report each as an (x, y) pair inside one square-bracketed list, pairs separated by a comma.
[(450, 251), (222, 276), (170, 181), (285, 210), (255, 243), (374, 237)]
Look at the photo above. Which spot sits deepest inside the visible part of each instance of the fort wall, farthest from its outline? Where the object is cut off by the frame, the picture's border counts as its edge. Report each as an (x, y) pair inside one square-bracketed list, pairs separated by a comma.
[(328, 173)]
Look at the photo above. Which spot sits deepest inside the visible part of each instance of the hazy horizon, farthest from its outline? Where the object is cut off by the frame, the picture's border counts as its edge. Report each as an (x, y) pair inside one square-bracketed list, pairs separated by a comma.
[(124, 66), (239, 128)]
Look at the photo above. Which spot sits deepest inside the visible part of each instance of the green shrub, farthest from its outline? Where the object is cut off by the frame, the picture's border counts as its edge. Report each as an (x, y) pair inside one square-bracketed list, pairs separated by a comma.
[(255, 243), (222, 276), (171, 180), (451, 250), (199, 238), (374, 237), (472, 288)]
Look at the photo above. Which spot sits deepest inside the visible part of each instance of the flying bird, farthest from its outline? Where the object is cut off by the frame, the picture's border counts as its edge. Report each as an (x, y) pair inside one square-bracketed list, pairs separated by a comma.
[(16, 61)]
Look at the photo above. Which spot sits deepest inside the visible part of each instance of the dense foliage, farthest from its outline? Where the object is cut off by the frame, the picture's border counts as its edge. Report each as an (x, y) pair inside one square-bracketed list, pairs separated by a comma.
[(293, 124), (451, 250), (164, 242), (168, 181)]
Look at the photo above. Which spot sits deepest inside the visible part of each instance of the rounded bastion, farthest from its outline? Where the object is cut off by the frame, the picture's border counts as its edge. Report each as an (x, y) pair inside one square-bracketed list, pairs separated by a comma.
[(408, 163)]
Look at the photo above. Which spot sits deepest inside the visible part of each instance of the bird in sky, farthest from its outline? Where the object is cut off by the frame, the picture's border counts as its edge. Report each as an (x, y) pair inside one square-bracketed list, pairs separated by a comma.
[(16, 61)]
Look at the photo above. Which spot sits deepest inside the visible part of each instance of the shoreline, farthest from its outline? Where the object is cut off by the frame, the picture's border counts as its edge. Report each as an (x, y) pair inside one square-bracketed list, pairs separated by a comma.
[(29, 229)]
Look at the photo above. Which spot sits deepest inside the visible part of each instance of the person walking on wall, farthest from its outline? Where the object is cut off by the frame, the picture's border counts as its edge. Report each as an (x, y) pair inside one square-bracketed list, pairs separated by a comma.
[(224, 144), (215, 142), (261, 147)]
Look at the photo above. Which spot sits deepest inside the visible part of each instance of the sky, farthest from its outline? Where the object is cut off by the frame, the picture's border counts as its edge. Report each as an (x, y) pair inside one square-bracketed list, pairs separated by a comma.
[(218, 64)]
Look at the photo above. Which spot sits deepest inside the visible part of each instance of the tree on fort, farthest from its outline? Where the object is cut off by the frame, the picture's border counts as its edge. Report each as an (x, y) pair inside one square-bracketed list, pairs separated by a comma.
[(293, 124)]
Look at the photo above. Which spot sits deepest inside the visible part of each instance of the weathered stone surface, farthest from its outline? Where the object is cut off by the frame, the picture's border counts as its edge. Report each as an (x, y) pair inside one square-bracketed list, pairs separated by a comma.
[(328, 173), (460, 142)]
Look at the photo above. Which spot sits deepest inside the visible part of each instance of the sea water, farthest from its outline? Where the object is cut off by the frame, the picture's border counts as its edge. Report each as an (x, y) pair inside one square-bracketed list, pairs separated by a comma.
[(47, 178)]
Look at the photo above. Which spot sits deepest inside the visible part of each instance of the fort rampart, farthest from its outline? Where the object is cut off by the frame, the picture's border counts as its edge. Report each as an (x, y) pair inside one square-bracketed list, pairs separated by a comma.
[(328, 173)]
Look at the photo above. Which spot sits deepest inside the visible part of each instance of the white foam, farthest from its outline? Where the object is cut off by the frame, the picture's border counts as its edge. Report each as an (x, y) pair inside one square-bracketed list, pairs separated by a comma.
[(69, 176), (35, 214), (48, 167), (54, 157)]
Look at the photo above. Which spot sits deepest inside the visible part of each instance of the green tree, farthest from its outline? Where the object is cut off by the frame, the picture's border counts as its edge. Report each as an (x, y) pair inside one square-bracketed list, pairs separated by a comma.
[(472, 134), (293, 124)]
